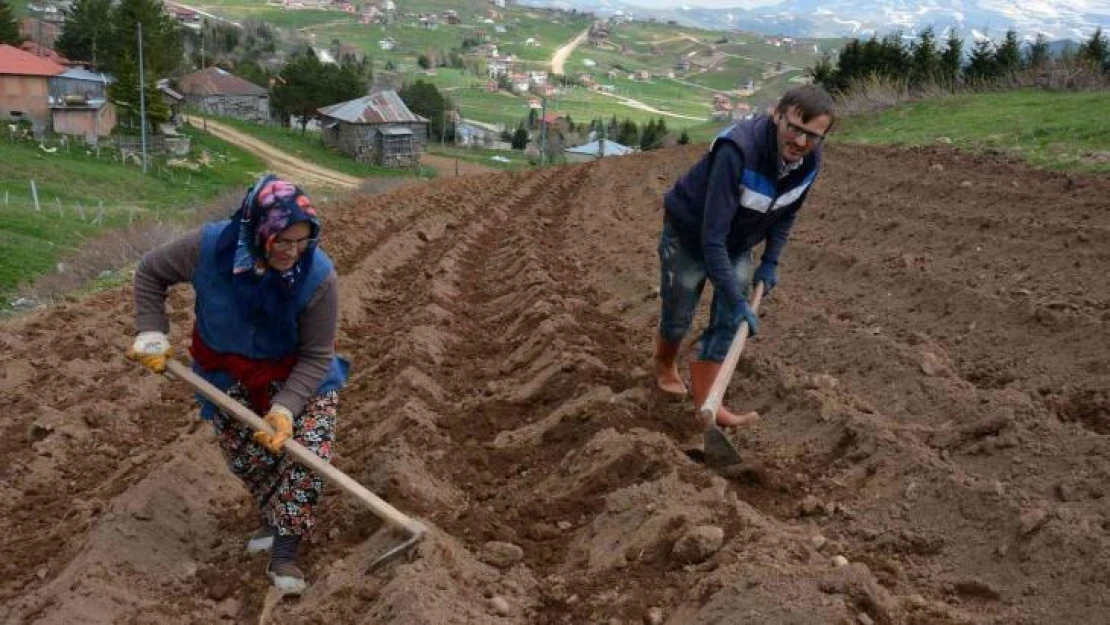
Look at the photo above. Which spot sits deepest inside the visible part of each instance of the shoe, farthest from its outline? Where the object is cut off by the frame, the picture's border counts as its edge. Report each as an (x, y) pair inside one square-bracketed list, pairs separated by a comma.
[(666, 368), (286, 577), (261, 540), (702, 375)]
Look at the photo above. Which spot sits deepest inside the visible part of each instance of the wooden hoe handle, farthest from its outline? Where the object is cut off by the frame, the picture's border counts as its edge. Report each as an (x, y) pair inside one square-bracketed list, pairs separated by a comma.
[(376, 504), (708, 410)]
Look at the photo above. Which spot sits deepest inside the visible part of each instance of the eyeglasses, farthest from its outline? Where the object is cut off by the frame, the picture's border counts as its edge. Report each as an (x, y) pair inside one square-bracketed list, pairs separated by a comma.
[(285, 245), (795, 131)]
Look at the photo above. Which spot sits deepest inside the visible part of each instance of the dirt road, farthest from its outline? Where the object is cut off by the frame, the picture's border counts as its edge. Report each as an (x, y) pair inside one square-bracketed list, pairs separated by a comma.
[(932, 370), (291, 167), (559, 59)]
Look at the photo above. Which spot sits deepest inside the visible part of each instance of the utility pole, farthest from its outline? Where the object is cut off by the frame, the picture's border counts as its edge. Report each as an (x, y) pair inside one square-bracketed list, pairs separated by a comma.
[(142, 95), (543, 131)]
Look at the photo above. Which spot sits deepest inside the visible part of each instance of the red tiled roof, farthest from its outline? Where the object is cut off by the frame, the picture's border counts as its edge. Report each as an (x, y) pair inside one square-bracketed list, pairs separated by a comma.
[(215, 81), (14, 61), (42, 52)]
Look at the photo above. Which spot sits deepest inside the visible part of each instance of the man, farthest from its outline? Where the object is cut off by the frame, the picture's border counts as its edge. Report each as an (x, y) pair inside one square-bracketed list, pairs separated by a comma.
[(746, 190)]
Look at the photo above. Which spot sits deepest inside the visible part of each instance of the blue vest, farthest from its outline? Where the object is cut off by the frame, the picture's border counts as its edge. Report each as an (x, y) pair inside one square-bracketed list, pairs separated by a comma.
[(764, 197), (228, 328)]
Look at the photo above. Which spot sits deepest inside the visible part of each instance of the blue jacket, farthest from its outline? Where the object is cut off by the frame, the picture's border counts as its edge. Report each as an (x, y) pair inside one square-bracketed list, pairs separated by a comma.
[(733, 199), (228, 328)]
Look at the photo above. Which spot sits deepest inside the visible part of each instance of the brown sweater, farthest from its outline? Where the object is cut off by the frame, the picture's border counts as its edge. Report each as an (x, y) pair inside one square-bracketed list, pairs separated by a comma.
[(175, 261)]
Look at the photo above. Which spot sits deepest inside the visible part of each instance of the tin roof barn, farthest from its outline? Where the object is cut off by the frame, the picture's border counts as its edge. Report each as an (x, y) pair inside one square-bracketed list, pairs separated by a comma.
[(219, 92), (376, 128)]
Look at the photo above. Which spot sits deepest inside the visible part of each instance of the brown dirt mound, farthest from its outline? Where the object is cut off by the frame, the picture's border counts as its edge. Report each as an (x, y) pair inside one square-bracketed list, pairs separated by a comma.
[(932, 370)]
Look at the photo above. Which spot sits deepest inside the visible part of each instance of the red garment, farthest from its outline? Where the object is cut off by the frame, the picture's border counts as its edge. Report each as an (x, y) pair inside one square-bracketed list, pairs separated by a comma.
[(254, 375)]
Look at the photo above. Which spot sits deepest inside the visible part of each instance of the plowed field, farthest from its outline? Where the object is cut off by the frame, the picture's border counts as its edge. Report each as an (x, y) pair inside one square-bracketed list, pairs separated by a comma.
[(933, 374)]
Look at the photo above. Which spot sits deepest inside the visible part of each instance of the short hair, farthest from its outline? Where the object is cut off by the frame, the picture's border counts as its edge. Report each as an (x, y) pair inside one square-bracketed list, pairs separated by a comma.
[(810, 100)]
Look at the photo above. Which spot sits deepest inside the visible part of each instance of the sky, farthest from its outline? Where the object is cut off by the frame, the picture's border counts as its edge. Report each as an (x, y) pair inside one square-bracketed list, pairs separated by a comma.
[(712, 4)]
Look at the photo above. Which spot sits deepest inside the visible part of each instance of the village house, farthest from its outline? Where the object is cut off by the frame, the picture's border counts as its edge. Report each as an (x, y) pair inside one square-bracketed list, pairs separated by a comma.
[(69, 101), (376, 128), (532, 42), (520, 83), (450, 16), (642, 75), (79, 104), (370, 15), (387, 43), (470, 133), (219, 92), (25, 86)]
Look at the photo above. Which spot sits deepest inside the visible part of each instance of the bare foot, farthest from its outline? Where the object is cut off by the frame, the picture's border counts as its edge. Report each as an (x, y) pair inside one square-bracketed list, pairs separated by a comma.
[(727, 419)]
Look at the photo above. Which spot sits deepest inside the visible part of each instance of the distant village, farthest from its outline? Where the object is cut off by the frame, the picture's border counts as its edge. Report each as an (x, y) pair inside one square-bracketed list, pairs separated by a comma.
[(70, 97)]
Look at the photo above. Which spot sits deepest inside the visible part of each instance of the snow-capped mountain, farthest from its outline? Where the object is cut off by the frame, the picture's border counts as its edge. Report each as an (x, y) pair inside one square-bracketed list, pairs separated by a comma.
[(1057, 19)]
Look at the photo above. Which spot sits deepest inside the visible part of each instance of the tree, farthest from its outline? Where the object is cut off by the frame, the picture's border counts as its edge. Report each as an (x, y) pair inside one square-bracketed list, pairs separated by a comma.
[(305, 84), (1096, 52), (1038, 54), (628, 133), (423, 61), (124, 91), (520, 138), (926, 58), (647, 137), (684, 138), (88, 31), (163, 47), (424, 99), (1007, 58), (9, 29), (951, 59), (982, 65)]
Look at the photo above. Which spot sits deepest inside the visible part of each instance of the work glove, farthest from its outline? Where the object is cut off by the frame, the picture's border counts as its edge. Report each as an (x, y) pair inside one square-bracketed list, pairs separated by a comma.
[(768, 275), (743, 312), (281, 419), (151, 349)]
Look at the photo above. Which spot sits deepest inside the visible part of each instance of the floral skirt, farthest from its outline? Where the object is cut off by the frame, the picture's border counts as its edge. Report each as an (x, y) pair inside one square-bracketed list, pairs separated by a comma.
[(286, 491)]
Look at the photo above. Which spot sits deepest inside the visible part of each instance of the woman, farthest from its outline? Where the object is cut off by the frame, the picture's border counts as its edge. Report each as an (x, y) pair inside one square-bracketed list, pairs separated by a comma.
[(267, 307)]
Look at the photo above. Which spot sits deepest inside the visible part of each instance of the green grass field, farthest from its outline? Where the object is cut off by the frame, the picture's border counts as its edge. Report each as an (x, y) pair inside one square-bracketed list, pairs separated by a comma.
[(482, 156), (81, 196), (1052, 130)]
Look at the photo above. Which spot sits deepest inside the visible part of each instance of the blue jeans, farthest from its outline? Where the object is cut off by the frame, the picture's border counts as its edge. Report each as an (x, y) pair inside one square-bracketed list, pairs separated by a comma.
[(682, 279)]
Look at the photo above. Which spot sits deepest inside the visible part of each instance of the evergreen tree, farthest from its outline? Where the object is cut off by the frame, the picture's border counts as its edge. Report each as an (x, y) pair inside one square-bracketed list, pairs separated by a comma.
[(1038, 55), (520, 137), (647, 137), (628, 133), (982, 64), (163, 47), (926, 58), (425, 100), (951, 59), (87, 34), (684, 138), (1007, 58), (1096, 52), (9, 29), (305, 84)]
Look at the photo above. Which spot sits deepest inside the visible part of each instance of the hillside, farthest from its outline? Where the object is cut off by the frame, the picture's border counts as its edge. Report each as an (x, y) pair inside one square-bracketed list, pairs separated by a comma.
[(684, 66), (933, 383)]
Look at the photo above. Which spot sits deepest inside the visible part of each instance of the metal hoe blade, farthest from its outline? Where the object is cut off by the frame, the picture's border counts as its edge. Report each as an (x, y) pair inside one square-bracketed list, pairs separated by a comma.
[(719, 450)]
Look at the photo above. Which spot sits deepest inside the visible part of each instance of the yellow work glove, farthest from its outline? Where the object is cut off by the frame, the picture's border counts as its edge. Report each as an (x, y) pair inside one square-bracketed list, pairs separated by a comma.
[(151, 349), (281, 419)]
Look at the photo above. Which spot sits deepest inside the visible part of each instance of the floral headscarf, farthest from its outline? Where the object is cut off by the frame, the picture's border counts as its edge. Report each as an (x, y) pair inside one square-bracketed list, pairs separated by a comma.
[(271, 206)]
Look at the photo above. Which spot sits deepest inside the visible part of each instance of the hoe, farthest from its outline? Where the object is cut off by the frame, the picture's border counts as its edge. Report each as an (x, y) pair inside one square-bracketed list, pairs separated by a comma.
[(411, 527), (719, 450)]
